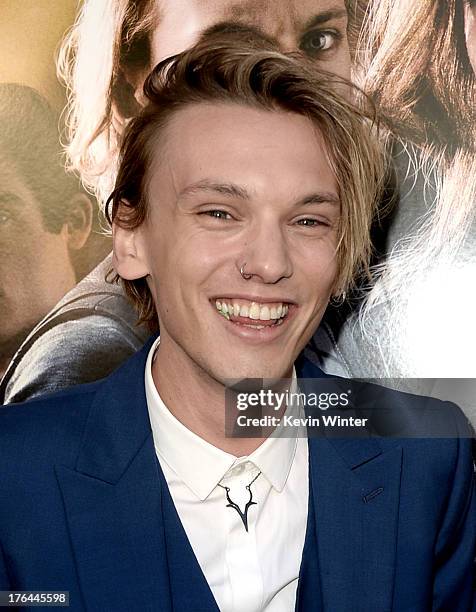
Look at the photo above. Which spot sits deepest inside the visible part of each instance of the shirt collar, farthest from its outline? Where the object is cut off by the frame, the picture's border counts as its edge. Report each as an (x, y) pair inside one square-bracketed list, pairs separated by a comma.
[(199, 464)]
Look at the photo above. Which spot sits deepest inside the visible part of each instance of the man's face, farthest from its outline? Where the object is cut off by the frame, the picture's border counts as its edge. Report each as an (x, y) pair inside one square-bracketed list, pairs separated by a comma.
[(231, 186), (35, 268), (318, 28)]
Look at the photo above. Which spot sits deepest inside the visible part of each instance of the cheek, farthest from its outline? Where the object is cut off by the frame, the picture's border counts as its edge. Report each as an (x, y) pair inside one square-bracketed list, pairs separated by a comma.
[(20, 248), (21, 274), (339, 63), (320, 264), (343, 65), (181, 265)]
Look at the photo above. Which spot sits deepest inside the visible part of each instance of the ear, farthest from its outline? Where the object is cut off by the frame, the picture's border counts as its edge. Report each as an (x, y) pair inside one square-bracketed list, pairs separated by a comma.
[(126, 96), (127, 253), (78, 221)]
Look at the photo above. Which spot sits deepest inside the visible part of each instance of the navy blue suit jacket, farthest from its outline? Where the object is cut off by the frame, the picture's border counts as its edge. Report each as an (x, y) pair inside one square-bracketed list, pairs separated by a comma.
[(84, 507)]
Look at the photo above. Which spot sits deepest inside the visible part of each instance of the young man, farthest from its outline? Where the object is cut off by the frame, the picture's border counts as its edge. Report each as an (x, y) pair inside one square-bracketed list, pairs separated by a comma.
[(93, 330), (243, 202)]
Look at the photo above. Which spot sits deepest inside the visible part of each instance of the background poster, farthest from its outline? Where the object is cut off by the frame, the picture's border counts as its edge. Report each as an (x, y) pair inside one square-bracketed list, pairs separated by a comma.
[(416, 58)]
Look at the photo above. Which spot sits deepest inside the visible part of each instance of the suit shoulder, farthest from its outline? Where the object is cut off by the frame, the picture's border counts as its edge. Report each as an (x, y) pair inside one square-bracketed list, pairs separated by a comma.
[(400, 414), (431, 431)]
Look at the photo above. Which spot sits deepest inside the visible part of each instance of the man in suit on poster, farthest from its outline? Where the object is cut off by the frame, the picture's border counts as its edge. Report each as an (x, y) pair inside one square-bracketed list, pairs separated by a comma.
[(245, 191)]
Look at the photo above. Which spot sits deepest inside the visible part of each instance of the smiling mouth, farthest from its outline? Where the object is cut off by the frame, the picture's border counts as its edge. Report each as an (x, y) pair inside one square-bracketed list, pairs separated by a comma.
[(255, 315)]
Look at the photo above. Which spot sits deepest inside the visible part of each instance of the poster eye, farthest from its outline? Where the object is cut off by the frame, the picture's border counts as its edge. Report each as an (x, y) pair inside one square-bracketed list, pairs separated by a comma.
[(316, 41)]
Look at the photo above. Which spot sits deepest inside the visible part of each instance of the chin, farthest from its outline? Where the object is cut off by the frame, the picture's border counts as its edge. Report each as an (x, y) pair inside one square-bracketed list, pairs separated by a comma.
[(253, 371)]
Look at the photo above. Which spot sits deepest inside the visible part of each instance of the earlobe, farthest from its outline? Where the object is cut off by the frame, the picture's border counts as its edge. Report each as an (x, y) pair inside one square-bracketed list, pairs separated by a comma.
[(127, 253)]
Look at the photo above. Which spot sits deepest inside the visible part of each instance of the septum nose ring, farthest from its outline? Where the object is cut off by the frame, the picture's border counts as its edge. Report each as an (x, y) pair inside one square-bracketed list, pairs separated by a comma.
[(243, 274)]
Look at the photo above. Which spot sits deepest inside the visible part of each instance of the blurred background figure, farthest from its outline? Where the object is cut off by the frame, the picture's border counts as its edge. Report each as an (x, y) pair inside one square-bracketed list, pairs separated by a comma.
[(45, 217), (416, 64)]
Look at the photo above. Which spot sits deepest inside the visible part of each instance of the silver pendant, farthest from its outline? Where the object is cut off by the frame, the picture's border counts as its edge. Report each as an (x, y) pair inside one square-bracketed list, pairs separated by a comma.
[(249, 503)]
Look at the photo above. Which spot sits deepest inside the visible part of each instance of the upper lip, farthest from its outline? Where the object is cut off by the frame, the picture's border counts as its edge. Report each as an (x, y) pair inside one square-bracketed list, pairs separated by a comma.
[(253, 298)]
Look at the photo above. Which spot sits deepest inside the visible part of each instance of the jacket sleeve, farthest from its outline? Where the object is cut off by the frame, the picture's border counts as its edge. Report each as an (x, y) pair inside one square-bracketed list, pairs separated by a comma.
[(4, 581), (456, 544), (70, 353)]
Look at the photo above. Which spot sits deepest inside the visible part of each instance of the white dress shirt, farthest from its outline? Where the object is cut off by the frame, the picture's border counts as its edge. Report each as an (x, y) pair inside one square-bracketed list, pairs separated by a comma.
[(249, 571)]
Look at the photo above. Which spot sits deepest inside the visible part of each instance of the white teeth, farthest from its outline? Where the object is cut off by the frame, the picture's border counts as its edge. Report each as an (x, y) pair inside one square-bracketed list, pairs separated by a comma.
[(254, 311), (264, 314), (244, 311)]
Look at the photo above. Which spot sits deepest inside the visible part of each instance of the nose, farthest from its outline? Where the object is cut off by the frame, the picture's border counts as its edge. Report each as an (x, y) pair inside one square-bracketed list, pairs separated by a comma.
[(267, 255), (287, 42), (279, 22)]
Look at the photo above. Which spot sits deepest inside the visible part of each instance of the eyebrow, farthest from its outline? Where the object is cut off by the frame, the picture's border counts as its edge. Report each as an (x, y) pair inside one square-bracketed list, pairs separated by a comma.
[(324, 17), (238, 13), (227, 189), (228, 26), (325, 197), (233, 190)]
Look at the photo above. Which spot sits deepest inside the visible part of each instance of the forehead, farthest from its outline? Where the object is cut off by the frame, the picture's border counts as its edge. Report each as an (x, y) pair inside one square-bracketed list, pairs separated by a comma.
[(13, 187), (277, 18), (268, 152), (262, 11), (10, 178)]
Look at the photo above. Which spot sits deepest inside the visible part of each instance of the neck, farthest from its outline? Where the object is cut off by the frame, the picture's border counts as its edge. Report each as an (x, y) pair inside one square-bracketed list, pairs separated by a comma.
[(196, 399)]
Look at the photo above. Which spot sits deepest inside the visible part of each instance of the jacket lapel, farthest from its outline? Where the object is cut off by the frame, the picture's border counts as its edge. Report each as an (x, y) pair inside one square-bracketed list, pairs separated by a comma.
[(125, 533), (356, 509), (117, 536), (355, 488)]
